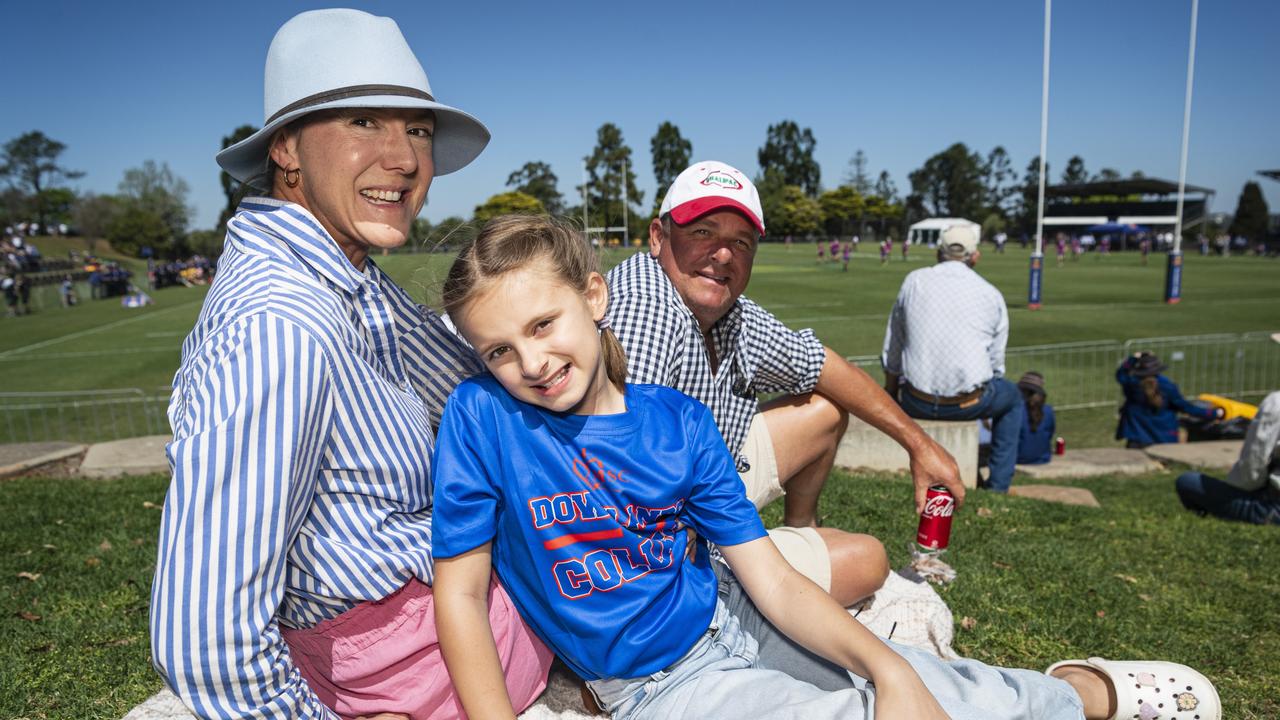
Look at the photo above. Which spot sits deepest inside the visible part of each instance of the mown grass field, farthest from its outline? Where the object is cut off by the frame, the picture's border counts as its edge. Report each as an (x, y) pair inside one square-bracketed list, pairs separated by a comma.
[(1138, 577), (100, 345)]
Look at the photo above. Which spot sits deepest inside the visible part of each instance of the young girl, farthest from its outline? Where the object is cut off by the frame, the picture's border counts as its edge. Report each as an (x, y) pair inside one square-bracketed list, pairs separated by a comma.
[(578, 487)]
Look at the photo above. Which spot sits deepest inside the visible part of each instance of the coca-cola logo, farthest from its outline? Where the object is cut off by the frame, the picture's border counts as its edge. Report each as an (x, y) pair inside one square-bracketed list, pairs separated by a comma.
[(939, 506)]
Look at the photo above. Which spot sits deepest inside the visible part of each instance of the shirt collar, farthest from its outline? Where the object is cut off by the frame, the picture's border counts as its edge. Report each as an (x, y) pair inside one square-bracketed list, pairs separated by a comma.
[(308, 239)]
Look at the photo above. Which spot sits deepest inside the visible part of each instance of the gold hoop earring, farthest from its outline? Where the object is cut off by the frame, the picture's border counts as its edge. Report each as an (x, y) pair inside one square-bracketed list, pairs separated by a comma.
[(293, 177)]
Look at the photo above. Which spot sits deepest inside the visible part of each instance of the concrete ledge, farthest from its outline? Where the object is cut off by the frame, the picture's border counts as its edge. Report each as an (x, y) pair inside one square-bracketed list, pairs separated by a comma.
[(1093, 461), (1211, 454), (21, 457), (132, 456), (865, 447)]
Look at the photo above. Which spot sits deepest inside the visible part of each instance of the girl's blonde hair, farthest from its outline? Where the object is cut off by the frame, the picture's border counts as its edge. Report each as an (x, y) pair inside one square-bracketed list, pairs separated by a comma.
[(512, 242)]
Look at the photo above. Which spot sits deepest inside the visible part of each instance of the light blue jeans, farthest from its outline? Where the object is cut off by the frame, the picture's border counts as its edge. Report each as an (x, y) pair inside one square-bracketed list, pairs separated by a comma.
[(721, 677)]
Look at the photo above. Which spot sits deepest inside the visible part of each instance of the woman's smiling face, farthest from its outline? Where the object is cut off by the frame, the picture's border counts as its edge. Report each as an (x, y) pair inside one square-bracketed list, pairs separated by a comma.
[(365, 173)]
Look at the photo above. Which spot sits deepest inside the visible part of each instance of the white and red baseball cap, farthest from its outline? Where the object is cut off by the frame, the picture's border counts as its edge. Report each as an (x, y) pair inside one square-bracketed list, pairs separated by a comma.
[(707, 186)]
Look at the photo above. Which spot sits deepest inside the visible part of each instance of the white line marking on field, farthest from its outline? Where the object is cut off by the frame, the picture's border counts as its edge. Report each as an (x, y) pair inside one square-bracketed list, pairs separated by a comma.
[(87, 353), (90, 331)]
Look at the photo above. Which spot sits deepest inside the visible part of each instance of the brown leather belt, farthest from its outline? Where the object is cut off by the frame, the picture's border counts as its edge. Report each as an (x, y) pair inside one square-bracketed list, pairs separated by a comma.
[(963, 400)]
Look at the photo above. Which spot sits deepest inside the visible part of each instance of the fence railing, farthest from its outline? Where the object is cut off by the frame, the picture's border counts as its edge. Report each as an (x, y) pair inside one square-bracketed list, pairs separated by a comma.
[(1078, 375), (82, 415), (1082, 374)]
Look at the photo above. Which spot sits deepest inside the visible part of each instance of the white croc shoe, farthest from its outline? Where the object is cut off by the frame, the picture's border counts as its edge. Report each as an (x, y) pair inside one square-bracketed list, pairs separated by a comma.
[(1155, 690)]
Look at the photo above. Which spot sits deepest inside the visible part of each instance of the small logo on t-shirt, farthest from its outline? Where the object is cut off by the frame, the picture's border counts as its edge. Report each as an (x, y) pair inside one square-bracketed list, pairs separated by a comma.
[(722, 180)]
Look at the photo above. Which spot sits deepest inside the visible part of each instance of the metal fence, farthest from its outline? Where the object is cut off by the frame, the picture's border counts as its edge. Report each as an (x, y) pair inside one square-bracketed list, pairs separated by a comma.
[(1079, 375), (1082, 374), (82, 415)]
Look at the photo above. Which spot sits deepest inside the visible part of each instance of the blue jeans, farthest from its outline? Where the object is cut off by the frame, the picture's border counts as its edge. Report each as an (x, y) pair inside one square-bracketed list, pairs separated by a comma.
[(1205, 494), (999, 401), (727, 674)]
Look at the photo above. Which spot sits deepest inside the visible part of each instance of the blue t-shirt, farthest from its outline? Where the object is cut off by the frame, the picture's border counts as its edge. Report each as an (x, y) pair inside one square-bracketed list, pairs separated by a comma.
[(587, 516), (1036, 446)]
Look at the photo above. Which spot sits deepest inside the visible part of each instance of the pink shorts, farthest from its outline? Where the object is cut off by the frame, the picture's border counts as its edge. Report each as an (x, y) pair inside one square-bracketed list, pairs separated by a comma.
[(384, 656)]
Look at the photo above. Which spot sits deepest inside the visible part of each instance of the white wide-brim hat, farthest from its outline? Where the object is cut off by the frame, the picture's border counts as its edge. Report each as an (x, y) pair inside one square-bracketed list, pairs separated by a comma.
[(340, 58)]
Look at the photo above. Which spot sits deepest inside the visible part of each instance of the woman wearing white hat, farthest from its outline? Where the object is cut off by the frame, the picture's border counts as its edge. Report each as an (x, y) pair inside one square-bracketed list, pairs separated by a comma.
[(294, 569)]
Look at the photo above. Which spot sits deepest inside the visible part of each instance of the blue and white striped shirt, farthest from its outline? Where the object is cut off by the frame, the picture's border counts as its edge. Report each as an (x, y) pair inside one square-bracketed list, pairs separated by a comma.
[(302, 418)]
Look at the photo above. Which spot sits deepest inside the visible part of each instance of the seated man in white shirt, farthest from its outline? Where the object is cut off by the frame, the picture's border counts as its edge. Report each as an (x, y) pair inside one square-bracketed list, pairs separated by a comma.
[(1251, 491), (944, 349)]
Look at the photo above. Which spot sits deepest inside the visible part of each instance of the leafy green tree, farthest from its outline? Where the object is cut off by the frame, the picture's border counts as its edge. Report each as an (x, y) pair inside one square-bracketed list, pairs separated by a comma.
[(155, 189), (998, 179), (1250, 220), (671, 154), (1075, 173), (885, 188), (93, 214), (537, 180), (790, 150), (507, 203), (451, 232), (606, 181), (57, 203), (857, 177), (30, 163), (1029, 202), (842, 210), (797, 214), (950, 184), (1107, 175), (230, 186), (136, 227), (206, 242)]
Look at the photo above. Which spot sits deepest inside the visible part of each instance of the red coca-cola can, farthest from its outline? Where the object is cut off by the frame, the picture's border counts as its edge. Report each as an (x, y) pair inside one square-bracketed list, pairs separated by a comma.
[(1060, 446), (935, 521)]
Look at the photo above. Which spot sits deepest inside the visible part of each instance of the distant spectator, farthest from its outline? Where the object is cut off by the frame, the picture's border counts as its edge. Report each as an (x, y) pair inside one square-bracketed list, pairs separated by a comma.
[(1251, 491), (1152, 402), (1035, 442), (23, 287), (10, 288), (68, 291)]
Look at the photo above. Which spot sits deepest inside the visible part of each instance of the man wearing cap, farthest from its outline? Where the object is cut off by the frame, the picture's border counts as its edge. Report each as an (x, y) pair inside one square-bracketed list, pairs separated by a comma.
[(944, 349), (681, 316)]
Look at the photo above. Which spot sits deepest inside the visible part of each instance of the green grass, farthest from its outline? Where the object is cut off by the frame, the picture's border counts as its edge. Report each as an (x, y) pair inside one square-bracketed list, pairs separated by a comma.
[(1138, 578), (99, 344)]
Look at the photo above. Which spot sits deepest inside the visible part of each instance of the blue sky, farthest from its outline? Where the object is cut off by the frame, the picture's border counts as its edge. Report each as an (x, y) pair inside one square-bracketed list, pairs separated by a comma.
[(120, 83)]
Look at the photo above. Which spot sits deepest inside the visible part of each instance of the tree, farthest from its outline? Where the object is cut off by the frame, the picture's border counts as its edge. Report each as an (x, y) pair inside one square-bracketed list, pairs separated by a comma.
[(537, 180), (842, 210), (790, 150), (30, 162), (857, 177), (93, 214), (155, 189), (1107, 175), (950, 184), (508, 203), (797, 213), (1030, 200), (1250, 220), (998, 176), (1075, 173), (671, 154), (231, 186), (606, 181), (885, 188), (136, 227)]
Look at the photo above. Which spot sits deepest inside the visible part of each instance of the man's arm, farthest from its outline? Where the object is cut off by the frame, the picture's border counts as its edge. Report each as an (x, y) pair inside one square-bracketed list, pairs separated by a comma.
[(891, 357), (857, 393)]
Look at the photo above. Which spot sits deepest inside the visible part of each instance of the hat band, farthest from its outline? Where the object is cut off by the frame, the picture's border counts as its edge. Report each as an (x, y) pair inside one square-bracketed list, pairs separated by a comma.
[(349, 92)]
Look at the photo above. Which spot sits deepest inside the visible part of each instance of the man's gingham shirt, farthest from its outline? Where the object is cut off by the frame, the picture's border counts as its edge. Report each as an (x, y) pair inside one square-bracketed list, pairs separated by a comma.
[(947, 332), (664, 345), (302, 418)]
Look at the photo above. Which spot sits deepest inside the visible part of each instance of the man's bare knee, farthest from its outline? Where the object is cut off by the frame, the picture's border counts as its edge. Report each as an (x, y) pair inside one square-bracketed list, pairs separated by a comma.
[(859, 564)]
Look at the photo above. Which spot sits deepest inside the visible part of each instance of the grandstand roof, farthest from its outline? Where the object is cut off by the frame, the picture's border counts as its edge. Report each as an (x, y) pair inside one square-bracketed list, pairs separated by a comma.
[(1273, 174), (1133, 186)]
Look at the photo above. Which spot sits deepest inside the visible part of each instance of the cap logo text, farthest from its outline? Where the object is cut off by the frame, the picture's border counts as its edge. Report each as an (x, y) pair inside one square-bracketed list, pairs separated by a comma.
[(722, 180)]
